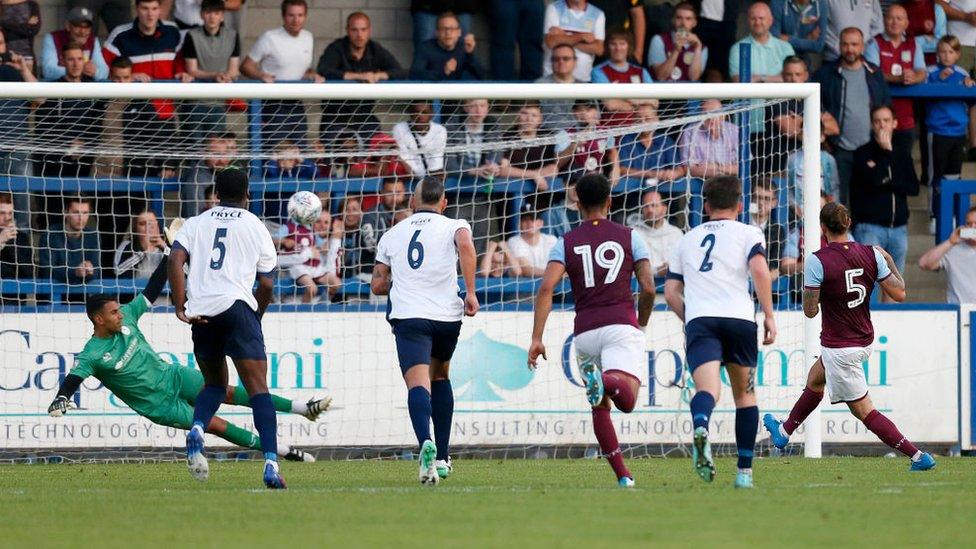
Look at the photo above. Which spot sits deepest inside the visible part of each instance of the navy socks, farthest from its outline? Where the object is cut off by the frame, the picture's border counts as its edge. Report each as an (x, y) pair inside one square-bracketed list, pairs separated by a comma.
[(442, 412), (418, 403)]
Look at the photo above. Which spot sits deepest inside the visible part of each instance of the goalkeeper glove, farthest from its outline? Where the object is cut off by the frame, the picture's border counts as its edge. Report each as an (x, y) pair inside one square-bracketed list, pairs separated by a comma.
[(174, 228), (59, 407)]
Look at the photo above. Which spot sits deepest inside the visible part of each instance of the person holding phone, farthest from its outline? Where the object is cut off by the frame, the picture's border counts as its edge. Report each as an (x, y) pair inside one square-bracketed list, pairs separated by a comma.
[(957, 255)]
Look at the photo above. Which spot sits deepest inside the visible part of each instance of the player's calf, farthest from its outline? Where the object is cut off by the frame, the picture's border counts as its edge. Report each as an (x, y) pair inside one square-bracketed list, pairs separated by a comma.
[(606, 436)]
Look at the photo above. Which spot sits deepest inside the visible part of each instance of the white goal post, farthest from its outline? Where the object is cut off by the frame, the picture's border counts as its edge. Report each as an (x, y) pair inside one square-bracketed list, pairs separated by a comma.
[(808, 93)]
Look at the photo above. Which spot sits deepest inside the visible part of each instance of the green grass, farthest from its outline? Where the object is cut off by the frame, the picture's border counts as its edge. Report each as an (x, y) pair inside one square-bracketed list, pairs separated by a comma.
[(870, 502)]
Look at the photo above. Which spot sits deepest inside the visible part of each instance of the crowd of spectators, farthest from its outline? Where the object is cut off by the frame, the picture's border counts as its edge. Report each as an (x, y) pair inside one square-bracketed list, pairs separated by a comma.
[(856, 49)]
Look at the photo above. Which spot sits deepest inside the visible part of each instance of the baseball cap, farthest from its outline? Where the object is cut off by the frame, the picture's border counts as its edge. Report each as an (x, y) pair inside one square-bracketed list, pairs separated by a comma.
[(528, 210), (79, 14)]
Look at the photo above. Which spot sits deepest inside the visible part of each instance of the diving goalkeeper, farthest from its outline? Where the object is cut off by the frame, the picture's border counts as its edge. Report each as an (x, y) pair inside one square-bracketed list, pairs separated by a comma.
[(119, 356)]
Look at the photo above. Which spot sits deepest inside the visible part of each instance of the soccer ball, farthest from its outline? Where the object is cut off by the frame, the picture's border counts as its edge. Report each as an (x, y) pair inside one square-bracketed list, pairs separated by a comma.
[(304, 208)]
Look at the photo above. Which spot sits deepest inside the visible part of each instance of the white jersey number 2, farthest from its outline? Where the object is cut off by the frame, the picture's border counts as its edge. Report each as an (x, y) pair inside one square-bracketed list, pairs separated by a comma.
[(612, 263)]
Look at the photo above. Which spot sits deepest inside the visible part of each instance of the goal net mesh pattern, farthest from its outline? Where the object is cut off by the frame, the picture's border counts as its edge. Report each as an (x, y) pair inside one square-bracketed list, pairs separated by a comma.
[(87, 186)]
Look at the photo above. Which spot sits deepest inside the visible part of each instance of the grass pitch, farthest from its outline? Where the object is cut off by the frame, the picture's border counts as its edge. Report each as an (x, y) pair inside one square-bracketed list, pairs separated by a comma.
[(871, 502)]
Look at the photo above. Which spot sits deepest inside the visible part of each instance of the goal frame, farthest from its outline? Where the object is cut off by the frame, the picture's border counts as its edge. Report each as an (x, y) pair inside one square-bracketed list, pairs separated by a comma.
[(809, 93)]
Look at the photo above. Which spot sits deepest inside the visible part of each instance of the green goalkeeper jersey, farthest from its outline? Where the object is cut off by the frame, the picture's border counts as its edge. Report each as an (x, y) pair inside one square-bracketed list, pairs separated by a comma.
[(128, 366)]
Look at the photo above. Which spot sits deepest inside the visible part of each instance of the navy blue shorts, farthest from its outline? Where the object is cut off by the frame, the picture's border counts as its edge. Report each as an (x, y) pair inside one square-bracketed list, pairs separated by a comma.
[(235, 332), (418, 340), (728, 340)]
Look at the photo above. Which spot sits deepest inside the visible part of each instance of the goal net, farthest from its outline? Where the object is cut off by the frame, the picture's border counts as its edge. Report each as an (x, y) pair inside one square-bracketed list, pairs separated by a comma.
[(91, 174)]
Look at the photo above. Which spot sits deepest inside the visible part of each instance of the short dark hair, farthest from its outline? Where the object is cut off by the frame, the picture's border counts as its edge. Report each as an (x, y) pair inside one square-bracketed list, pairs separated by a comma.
[(849, 30), (686, 6), (723, 192), (571, 48), (212, 5), (835, 217), (621, 34), (285, 4), (593, 190), (94, 304), (348, 199), (231, 185), (146, 1), (356, 15), (763, 184), (392, 181), (76, 199), (882, 107), (71, 46), (795, 60), (121, 62), (447, 15), (6, 198), (431, 190)]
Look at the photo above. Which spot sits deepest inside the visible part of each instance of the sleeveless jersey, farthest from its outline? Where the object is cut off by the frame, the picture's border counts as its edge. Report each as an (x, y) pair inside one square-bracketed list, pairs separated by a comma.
[(895, 60), (845, 273), (599, 256)]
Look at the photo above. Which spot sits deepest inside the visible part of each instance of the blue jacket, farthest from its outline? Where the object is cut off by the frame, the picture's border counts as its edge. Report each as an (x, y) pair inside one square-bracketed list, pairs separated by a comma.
[(789, 20), (833, 91), (947, 117), (60, 254)]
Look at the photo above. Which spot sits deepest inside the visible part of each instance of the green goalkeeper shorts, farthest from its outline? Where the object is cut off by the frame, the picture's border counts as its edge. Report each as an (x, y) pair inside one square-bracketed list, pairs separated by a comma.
[(178, 410)]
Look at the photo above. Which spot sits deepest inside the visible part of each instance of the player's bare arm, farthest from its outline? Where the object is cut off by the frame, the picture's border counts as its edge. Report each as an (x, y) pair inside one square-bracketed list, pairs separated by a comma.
[(380, 283), (645, 298), (674, 295), (894, 285), (468, 258), (264, 292), (762, 279), (543, 306), (811, 302)]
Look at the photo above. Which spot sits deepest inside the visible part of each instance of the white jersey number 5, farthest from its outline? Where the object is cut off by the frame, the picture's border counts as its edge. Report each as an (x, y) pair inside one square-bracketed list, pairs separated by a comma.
[(855, 288), (612, 263)]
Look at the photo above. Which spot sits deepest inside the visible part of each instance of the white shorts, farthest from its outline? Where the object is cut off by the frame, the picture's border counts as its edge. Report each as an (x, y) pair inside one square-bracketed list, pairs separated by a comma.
[(615, 347), (299, 271), (845, 373)]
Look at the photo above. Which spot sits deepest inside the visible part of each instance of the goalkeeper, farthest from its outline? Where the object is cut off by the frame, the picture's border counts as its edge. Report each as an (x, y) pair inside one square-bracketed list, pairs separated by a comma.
[(119, 356)]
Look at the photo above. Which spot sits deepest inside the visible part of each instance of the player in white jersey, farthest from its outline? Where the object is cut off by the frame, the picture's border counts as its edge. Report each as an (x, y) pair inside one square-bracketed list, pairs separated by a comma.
[(227, 247), (708, 288), (416, 265)]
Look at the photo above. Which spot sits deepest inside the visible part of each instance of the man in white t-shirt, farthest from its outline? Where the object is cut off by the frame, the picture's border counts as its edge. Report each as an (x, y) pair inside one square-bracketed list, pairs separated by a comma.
[(660, 236), (957, 256), (708, 288), (421, 141), (579, 24), (416, 265), (226, 248), (531, 247), (284, 53)]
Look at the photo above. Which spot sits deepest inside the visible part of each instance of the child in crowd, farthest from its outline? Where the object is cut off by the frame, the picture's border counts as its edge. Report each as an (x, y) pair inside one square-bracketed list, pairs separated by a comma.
[(312, 254), (498, 261), (947, 121)]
